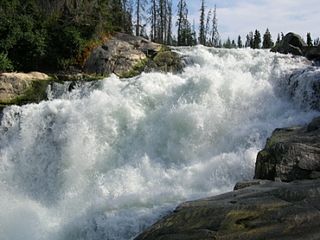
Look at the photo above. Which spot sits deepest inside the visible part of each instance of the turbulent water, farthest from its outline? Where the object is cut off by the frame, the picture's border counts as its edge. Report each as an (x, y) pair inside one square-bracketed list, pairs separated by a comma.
[(107, 159)]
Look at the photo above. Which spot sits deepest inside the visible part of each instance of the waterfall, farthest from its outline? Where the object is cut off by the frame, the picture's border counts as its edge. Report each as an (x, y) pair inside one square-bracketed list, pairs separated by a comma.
[(107, 159)]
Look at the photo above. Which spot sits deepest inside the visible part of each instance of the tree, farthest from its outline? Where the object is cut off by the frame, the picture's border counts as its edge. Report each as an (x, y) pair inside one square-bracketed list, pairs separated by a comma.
[(278, 40), (249, 40), (233, 44), (267, 40), (153, 20), (309, 40), (227, 44), (169, 29), (202, 37), (256, 40), (140, 16), (215, 33), (316, 42), (240, 45), (207, 29), (184, 27)]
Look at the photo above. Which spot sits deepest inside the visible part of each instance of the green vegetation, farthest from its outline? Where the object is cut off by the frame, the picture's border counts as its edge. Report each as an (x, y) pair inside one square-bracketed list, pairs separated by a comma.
[(5, 63), (52, 35)]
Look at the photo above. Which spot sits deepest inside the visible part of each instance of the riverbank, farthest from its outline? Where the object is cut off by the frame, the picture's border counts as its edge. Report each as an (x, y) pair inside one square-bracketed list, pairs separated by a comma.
[(281, 203)]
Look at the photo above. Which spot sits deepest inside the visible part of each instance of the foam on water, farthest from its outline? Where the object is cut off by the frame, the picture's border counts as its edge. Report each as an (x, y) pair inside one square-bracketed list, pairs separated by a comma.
[(108, 159)]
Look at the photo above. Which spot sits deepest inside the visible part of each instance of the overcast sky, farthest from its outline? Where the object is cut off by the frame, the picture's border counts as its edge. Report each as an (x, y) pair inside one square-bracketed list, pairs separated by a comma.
[(238, 17)]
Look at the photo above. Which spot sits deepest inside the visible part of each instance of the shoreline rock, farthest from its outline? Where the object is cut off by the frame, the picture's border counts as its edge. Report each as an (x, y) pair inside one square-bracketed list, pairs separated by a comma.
[(294, 44), (128, 56), (20, 88), (260, 208), (291, 154)]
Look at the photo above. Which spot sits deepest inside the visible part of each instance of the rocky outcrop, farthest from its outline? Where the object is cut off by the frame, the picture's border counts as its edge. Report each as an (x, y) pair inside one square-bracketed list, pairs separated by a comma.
[(127, 56), (259, 209), (291, 43), (270, 210), (291, 154), (19, 88), (294, 44)]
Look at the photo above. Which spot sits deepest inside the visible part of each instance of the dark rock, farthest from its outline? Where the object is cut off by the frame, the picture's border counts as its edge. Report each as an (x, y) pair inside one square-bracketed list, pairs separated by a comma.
[(241, 185), (294, 44), (312, 53), (290, 154), (291, 43), (270, 210)]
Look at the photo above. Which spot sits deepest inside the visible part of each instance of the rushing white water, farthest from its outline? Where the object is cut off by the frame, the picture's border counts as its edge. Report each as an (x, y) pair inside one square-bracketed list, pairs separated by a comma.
[(108, 159)]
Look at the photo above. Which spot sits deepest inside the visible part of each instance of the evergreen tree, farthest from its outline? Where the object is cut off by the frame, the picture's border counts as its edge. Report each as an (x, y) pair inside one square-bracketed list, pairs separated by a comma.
[(227, 44), (249, 40), (215, 33), (278, 40), (267, 40), (140, 25), (233, 44), (256, 40), (184, 26), (240, 45), (169, 29), (207, 29), (309, 40), (153, 20), (194, 33), (202, 37), (316, 42)]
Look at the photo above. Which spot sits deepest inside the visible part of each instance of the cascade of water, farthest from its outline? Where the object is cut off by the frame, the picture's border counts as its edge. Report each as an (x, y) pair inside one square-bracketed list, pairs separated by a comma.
[(106, 160)]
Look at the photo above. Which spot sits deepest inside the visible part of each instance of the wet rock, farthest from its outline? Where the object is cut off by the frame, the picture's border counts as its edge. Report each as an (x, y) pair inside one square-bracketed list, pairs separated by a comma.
[(270, 210), (290, 154)]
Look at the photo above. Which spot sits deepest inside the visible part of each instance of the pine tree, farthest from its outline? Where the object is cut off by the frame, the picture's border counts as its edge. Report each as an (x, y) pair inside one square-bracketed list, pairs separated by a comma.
[(278, 40), (267, 40), (240, 45), (207, 29), (184, 26), (202, 37), (227, 44), (140, 16), (316, 42), (309, 40), (233, 44), (215, 33), (249, 40), (153, 20), (169, 27), (256, 40), (194, 33)]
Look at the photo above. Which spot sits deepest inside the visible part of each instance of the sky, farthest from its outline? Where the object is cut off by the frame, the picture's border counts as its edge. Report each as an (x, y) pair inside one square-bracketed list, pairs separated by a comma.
[(238, 17)]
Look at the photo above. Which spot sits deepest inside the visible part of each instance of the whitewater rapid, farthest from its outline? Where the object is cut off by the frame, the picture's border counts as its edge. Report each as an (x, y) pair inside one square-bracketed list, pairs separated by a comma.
[(107, 159)]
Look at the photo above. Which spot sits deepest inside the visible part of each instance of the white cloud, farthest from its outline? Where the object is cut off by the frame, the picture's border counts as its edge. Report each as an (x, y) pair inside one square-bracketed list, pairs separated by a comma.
[(278, 15)]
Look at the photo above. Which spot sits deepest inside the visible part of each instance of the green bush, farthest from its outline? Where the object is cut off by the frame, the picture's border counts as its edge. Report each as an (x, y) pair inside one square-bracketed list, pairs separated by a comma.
[(5, 63)]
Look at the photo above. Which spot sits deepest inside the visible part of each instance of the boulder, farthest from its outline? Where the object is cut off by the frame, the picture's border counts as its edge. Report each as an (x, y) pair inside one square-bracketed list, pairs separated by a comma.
[(291, 43), (120, 55), (15, 86), (291, 154), (312, 53), (269, 210)]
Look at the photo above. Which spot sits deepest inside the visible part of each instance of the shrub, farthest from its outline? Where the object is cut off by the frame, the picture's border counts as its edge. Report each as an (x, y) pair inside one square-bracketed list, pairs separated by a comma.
[(5, 63)]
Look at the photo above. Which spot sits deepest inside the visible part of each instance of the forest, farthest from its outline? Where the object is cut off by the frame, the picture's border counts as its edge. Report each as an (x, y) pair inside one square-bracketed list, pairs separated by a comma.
[(54, 35)]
